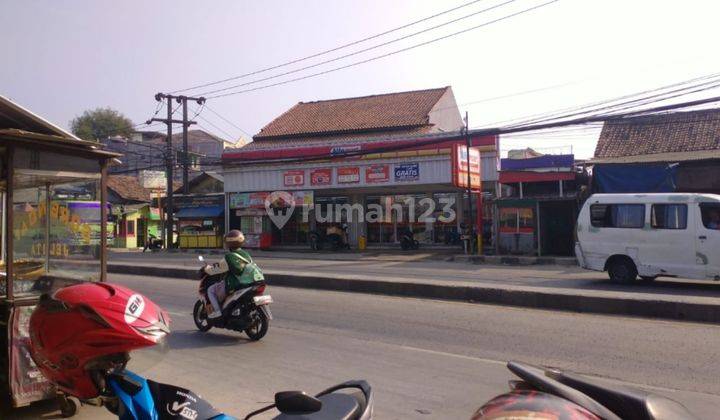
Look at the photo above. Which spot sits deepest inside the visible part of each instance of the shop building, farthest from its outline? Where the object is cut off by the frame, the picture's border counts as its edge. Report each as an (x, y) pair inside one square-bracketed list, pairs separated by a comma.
[(199, 215), (402, 152), (674, 152), (538, 205), (134, 217)]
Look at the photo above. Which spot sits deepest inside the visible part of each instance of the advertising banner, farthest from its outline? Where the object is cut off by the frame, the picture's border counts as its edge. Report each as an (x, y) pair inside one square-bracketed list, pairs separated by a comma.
[(27, 383), (253, 200), (348, 175), (294, 178), (460, 167), (407, 172), (321, 176), (377, 173)]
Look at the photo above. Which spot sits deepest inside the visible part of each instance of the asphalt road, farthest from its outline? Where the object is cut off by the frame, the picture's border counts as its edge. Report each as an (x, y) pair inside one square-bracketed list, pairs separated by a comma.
[(425, 359), (432, 267)]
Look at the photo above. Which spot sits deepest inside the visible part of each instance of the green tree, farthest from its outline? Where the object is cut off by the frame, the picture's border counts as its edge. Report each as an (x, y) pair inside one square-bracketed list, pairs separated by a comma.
[(100, 123)]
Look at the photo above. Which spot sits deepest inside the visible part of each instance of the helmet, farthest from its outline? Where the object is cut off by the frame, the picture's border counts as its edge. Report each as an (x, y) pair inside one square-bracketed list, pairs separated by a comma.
[(85, 330), (532, 404), (234, 239)]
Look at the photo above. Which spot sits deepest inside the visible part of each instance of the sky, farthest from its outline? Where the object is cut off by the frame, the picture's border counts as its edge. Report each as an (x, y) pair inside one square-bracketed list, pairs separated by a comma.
[(62, 58)]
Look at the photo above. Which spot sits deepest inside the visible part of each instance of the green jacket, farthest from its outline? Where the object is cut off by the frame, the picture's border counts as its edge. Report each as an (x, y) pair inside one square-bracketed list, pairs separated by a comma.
[(242, 271)]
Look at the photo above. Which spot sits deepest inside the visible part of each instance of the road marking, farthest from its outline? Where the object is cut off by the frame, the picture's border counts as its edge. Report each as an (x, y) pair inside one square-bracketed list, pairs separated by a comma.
[(181, 314)]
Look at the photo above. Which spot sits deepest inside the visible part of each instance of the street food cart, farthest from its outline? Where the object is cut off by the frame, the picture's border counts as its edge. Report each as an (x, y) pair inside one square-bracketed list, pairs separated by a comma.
[(46, 242)]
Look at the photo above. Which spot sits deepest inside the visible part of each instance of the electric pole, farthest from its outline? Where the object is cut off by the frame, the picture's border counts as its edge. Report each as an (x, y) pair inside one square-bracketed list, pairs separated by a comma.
[(471, 233), (185, 158), (170, 157)]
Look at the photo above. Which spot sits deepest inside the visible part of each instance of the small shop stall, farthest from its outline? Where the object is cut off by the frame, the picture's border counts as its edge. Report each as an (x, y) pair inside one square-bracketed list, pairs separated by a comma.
[(47, 241), (200, 220)]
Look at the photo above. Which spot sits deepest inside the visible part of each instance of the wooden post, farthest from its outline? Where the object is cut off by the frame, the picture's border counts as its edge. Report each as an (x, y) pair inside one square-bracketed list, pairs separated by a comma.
[(9, 217), (103, 220)]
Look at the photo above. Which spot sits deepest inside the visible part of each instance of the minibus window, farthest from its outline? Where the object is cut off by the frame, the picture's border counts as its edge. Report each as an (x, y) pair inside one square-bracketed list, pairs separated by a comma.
[(710, 215), (628, 216), (669, 216)]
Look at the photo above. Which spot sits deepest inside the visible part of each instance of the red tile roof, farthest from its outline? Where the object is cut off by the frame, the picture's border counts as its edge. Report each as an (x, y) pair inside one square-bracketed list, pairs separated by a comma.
[(130, 188), (348, 115), (665, 133)]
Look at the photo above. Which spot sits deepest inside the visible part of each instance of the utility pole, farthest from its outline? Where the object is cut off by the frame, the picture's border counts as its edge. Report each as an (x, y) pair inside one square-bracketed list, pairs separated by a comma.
[(170, 156), (185, 158), (471, 233)]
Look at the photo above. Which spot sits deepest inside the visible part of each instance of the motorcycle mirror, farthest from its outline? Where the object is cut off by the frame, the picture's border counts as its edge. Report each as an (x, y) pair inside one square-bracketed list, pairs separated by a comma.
[(201, 258), (297, 402)]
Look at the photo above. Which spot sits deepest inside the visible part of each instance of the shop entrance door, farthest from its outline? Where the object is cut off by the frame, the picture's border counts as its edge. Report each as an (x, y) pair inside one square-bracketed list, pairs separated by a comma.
[(141, 232)]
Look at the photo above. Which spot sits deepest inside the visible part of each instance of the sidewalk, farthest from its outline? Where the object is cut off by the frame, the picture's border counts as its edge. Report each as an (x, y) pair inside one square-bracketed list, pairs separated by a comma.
[(555, 288)]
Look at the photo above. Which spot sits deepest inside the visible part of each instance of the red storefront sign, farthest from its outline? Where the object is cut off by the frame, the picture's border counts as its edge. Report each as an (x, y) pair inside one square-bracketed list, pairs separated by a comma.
[(348, 175), (377, 173), (294, 178), (321, 176)]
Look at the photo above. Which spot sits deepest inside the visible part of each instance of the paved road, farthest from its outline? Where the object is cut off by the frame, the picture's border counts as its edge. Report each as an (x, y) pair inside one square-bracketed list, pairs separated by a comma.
[(425, 359), (422, 268)]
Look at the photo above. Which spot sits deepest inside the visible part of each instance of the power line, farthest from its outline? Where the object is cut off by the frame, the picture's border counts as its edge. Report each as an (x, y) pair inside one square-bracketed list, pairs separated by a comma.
[(298, 60), (227, 120), (354, 53), (387, 54)]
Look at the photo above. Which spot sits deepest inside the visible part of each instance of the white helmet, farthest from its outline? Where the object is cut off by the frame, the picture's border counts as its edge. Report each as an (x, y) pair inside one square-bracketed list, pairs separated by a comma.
[(234, 239)]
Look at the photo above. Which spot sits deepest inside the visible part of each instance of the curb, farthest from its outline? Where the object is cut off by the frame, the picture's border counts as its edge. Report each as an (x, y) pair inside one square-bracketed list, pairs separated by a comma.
[(513, 260), (527, 298)]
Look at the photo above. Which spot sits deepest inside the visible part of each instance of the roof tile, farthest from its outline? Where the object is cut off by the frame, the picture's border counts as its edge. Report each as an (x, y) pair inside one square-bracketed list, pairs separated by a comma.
[(367, 113), (663, 133)]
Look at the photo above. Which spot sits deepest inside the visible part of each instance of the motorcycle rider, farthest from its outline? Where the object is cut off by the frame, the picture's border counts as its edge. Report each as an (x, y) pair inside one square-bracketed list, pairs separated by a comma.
[(232, 265)]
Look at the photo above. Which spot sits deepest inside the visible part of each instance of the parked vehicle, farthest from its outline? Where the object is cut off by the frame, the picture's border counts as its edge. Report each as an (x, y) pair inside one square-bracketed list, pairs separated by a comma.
[(559, 395), (408, 241), (334, 237), (245, 309), (82, 339), (650, 235)]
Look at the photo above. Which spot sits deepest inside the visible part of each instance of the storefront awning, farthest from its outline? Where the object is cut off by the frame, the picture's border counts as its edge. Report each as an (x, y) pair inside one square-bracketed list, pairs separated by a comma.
[(199, 212)]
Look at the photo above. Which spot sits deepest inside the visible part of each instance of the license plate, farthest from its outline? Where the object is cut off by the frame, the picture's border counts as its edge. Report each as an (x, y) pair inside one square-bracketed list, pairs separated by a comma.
[(262, 300)]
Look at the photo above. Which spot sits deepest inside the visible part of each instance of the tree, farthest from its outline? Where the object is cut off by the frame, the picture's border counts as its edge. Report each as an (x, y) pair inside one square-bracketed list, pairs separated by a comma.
[(101, 123)]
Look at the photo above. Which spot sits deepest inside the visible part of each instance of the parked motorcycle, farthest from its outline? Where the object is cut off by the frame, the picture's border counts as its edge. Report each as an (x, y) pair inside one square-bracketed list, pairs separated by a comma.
[(564, 396), (245, 310), (82, 338), (334, 240), (408, 241)]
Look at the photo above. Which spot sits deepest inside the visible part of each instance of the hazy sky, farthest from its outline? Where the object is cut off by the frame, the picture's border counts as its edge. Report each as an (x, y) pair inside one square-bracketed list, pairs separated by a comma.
[(62, 57)]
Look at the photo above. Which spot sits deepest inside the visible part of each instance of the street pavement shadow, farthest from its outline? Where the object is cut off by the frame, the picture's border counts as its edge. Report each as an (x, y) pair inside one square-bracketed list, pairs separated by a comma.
[(193, 339)]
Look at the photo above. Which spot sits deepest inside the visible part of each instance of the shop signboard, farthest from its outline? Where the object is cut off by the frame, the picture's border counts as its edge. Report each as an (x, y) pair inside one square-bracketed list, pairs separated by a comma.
[(294, 178), (153, 180), (321, 176), (253, 200), (303, 198), (460, 167), (194, 201), (405, 172), (377, 173), (348, 175)]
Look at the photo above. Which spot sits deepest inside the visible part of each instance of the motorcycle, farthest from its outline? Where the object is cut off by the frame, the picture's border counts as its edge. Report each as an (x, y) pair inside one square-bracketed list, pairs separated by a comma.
[(408, 241), (106, 324), (570, 396), (132, 397), (318, 240), (245, 310)]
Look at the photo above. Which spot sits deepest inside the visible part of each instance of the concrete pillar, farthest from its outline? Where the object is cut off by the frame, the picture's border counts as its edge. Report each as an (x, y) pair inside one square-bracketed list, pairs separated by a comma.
[(356, 228)]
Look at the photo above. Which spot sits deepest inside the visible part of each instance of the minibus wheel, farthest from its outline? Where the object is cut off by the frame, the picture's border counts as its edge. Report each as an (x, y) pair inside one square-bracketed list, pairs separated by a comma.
[(621, 269)]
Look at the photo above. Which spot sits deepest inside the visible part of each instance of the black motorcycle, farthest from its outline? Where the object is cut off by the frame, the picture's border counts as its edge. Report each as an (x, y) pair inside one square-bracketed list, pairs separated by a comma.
[(408, 241), (245, 310), (319, 240)]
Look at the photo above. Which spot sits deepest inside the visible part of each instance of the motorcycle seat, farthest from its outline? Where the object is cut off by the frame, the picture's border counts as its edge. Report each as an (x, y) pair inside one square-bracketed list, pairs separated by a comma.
[(627, 403), (334, 406)]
